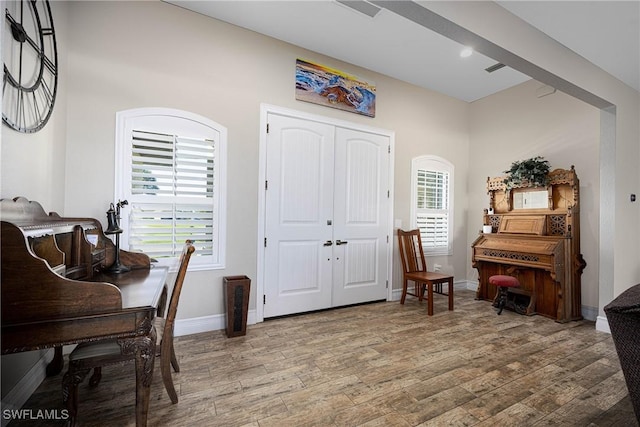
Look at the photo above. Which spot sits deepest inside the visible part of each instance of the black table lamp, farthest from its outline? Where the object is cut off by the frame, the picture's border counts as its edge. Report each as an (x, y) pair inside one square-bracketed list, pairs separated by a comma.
[(113, 227)]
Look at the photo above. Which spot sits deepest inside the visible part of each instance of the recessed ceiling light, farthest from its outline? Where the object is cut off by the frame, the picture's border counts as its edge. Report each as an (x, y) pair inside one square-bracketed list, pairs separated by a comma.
[(466, 52)]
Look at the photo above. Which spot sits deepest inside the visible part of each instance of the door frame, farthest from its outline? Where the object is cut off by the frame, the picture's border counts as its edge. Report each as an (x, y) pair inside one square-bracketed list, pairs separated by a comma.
[(265, 110)]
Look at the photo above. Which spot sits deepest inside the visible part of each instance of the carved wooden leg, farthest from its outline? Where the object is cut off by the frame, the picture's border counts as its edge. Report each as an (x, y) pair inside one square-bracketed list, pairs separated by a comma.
[(144, 350), (55, 366), (70, 381), (96, 377)]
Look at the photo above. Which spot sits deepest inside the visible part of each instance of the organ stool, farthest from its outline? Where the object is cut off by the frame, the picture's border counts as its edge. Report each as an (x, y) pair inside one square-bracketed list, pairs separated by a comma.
[(503, 283)]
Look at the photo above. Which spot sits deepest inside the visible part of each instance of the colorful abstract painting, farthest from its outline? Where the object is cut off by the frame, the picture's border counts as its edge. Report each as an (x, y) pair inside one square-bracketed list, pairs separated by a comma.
[(326, 86)]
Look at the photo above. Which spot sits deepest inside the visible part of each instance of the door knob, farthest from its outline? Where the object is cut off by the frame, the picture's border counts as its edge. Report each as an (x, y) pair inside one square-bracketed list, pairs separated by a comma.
[(328, 243), (341, 242)]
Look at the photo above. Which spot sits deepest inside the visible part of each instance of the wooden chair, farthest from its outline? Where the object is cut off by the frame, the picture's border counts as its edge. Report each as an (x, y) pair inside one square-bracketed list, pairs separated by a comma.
[(415, 269), (94, 355)]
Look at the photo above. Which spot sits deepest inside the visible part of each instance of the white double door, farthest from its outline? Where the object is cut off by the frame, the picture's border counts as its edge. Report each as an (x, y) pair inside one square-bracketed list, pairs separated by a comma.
[(326, 216)]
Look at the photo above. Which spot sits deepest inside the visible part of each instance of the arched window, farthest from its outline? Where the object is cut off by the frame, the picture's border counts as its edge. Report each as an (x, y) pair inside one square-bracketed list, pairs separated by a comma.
[(170, 167), (432, 203)]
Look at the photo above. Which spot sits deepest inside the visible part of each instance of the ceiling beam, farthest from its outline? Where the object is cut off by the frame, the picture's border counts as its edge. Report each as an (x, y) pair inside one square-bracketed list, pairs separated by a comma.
[(434, 22)]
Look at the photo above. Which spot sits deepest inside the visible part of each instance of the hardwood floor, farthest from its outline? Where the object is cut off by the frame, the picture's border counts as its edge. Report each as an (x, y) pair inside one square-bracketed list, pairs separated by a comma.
[(379, 364)]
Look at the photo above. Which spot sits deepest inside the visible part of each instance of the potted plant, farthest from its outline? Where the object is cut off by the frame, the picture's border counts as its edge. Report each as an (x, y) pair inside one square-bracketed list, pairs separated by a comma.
[(532, 172)]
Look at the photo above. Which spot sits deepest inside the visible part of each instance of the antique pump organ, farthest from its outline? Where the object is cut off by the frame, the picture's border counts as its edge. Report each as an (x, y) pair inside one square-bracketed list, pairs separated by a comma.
[(535, 237)]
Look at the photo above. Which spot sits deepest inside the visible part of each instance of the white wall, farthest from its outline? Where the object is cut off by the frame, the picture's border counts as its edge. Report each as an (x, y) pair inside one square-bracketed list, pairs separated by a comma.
[(124, 55), (515, 125)]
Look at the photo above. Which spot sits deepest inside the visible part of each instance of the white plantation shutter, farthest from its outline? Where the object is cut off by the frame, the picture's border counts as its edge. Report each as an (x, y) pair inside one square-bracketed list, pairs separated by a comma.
[(174, 186), (159, 230), (434, 229), (431, 210)]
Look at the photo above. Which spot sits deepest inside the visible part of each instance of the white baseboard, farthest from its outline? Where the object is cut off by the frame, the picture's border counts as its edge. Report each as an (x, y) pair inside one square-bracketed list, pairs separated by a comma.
[(602, 324), (589, 313), (197, 325)]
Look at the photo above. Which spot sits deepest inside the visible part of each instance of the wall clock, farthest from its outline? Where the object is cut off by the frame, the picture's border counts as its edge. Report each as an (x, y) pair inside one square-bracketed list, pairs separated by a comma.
[(30, 58)]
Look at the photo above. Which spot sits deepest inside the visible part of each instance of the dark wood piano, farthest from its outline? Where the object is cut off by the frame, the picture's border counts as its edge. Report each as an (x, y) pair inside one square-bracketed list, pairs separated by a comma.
[(55, 290), (535, 237)]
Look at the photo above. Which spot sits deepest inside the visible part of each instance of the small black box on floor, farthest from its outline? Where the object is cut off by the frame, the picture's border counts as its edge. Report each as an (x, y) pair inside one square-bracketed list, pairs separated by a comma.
[(236, 295)]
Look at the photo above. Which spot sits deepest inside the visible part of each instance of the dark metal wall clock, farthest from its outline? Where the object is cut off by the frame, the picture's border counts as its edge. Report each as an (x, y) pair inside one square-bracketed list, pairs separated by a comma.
[(30, 56)]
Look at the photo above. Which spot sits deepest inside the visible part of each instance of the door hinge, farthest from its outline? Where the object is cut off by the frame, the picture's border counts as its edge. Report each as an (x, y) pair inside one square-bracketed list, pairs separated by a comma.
[(264, 299), (266, 185), (388, 194), (265, 242), (389, 149), (267, 127), (387, 239), (387, 285)]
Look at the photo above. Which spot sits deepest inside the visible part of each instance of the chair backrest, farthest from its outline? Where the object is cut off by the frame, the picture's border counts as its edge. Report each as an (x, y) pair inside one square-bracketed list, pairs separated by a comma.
[(187, 250), (411, 251)]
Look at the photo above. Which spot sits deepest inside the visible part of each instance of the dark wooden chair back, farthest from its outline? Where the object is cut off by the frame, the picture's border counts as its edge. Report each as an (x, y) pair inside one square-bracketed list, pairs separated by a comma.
[(411, 251), (166, 340)]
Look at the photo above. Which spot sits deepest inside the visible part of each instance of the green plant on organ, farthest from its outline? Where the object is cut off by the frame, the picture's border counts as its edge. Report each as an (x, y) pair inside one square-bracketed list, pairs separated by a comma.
[(532, 172)]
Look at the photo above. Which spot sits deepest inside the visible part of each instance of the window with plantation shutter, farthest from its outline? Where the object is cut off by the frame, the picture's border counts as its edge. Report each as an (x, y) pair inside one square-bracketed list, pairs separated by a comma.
[(431, 203), (170, 168)]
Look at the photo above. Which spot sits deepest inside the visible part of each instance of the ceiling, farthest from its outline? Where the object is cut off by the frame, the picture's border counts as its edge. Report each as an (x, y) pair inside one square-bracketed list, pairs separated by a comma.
[(607, 33)]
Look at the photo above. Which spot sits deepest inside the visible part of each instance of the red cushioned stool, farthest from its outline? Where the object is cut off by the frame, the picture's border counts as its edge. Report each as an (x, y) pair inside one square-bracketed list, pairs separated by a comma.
[(503, 283)]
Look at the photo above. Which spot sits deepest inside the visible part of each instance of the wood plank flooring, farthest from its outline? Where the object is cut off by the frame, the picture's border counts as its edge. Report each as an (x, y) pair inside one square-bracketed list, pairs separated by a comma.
[(379, 364)]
